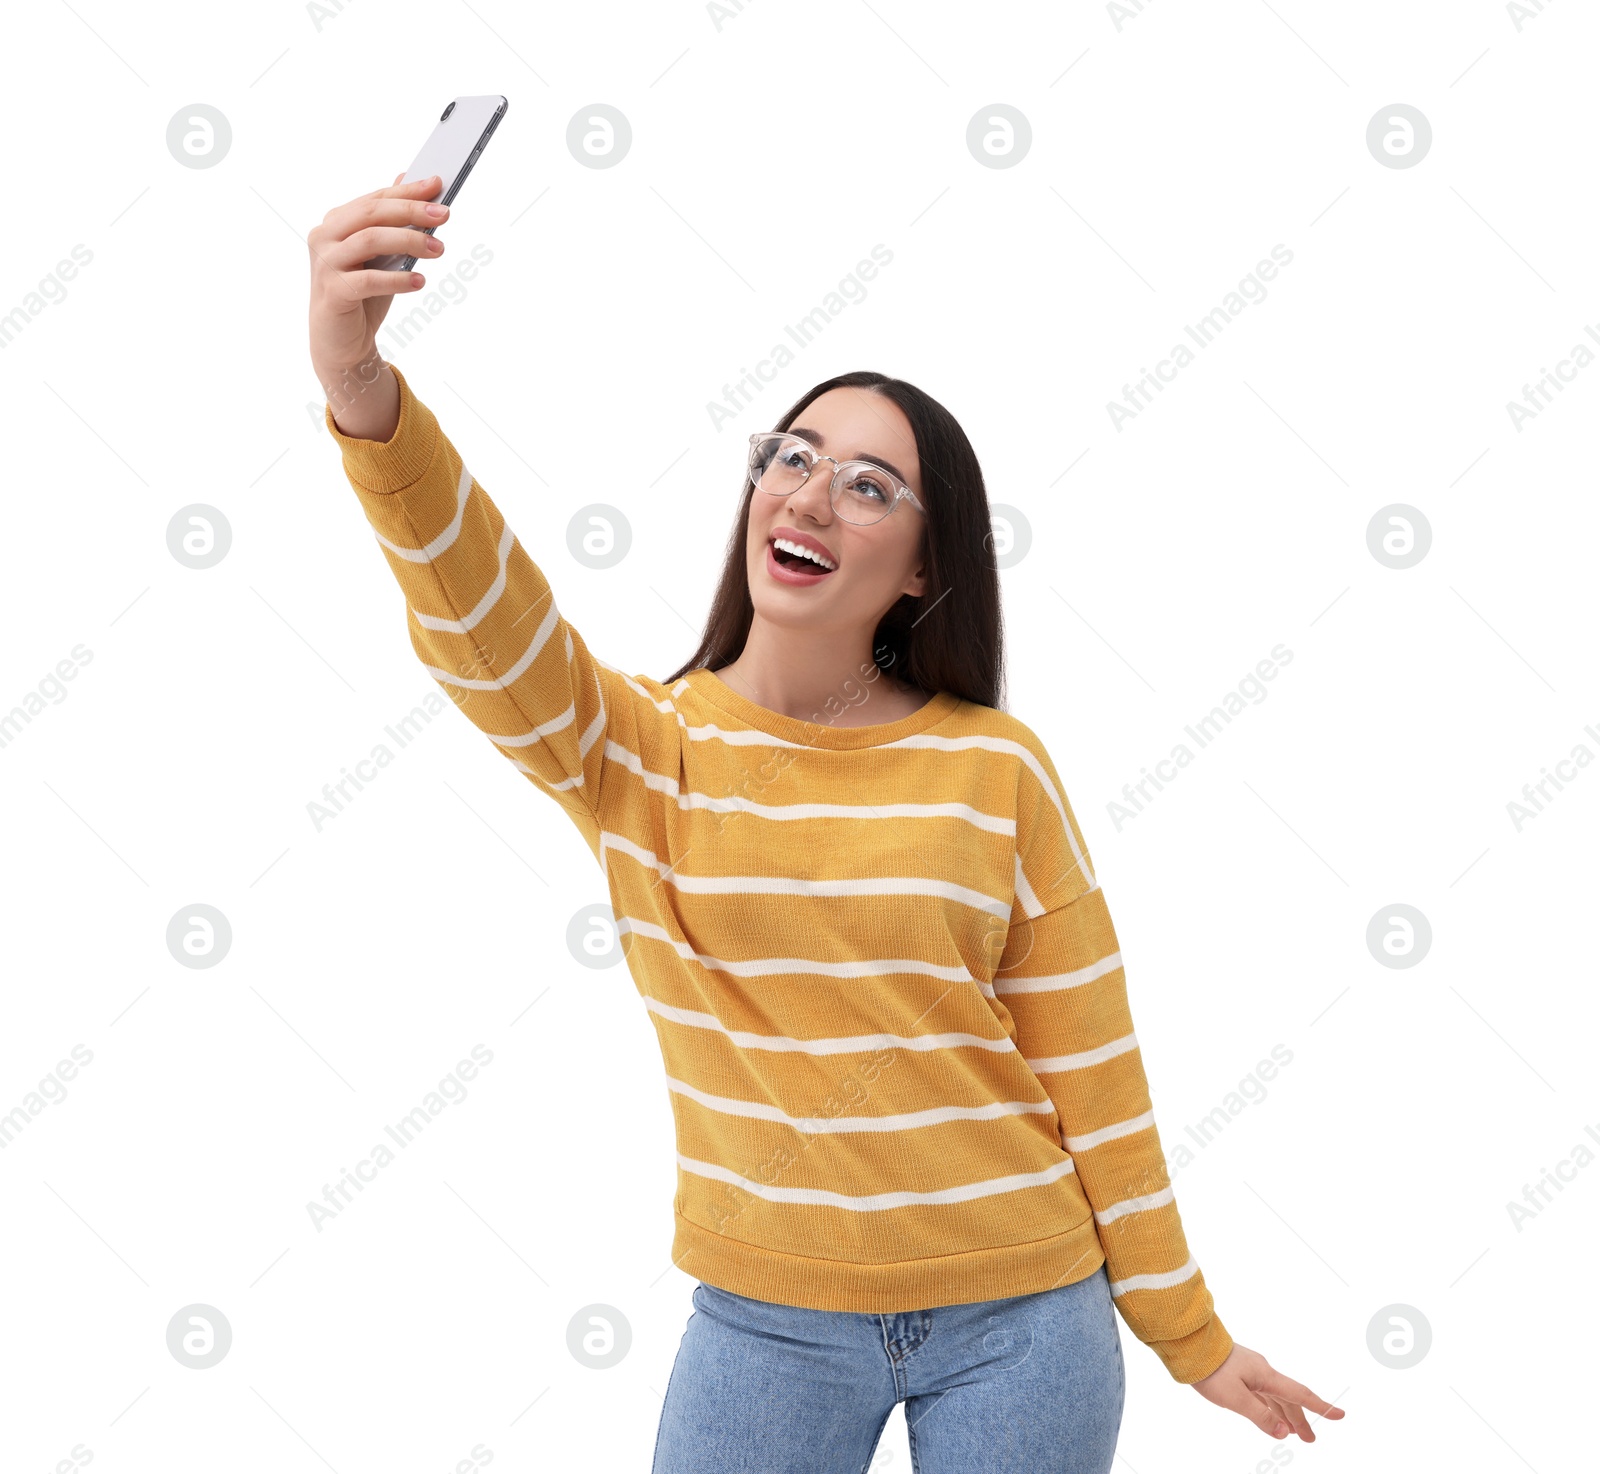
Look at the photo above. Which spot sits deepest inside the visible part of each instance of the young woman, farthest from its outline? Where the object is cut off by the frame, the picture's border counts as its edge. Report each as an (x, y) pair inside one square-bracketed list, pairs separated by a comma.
[(917, 1160)]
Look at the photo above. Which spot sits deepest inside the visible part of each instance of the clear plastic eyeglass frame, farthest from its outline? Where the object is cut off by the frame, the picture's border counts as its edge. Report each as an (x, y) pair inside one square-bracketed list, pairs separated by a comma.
[(841, 474)]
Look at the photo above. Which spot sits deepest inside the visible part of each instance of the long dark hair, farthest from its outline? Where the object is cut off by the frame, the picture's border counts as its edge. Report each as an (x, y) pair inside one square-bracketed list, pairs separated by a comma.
[(950, 638)]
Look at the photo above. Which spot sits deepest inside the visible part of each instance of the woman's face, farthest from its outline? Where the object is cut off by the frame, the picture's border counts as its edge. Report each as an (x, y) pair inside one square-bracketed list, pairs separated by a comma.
[(873, 564)]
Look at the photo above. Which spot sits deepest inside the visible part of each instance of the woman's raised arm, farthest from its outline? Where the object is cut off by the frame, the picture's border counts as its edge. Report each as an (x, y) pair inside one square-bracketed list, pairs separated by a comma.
[(481, 615)]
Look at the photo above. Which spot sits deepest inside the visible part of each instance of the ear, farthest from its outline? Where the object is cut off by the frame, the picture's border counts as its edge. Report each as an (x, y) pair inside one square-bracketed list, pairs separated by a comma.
[(917, 582)]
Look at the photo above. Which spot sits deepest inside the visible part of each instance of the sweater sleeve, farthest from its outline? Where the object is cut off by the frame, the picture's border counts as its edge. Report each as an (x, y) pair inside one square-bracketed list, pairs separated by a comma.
[(481, 614), (1061, 977)]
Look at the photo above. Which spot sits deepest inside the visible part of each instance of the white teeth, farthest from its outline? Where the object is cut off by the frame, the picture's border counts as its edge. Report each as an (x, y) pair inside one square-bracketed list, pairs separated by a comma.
[(804, 552)]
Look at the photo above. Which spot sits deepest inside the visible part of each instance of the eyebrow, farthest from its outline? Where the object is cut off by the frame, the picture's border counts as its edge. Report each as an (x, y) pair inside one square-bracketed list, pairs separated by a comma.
[(816, 438)]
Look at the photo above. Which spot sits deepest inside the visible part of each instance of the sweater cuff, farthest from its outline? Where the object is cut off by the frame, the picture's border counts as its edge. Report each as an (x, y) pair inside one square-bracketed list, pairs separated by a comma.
[(1192, 1357), (383, 467)]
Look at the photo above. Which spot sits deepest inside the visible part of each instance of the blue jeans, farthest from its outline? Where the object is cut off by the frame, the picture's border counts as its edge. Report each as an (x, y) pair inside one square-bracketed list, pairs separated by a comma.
[(1032, 1382)]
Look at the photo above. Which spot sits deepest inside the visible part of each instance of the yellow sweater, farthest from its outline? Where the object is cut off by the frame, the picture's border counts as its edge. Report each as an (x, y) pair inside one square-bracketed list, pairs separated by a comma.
[(886, 986)]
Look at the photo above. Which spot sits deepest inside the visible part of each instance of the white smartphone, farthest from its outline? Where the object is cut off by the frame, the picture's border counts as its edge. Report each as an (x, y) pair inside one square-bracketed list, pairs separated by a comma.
[(460, 136)]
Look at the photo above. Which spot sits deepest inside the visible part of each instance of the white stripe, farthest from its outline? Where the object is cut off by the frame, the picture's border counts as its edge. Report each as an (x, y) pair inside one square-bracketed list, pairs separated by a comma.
[(446, 538), (534, 734), (491, 596), (622, 675), (590, 736), (713, 733), (1133, 1205), (1058, 1063), (486, 603), (688, 799), (821, 1125), (1030, 902), (1005, 744), (499, 683), (660, 782), (844, 1044), (1156, 1281), (785, 885), (546, 626), (941, 744), (767, 966), (1111, 1133), (575, 781), (877, 1202), (733, 804), (440, 544), (1075, 979)]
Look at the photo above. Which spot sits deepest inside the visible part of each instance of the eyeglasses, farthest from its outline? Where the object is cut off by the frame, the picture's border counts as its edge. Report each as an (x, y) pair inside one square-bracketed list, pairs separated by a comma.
[(780, 464)]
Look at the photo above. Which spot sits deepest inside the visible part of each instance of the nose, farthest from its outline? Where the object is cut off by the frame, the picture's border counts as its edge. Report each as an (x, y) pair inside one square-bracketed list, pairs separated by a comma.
[(815, 495)]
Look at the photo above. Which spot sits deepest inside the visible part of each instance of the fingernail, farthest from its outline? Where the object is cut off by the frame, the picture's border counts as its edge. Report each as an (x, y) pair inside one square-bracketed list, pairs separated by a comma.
[(438, 212)]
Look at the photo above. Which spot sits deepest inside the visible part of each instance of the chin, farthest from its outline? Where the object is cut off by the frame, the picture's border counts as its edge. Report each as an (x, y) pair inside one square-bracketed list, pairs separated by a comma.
[(768, 599)]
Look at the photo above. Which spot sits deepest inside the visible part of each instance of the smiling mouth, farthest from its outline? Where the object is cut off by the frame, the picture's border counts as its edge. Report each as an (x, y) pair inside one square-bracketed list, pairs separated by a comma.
[(789, 555)]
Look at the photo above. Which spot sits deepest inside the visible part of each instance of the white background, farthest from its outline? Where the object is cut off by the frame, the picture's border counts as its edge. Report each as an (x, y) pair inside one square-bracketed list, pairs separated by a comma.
[(1169, 155)]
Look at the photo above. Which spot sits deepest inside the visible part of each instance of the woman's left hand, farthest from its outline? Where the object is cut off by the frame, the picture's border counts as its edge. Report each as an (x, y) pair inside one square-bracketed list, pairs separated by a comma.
[(1247, 1384)]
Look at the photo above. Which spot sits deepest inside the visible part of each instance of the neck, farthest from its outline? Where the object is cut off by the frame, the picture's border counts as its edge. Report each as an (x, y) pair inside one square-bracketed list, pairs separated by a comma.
[(810, 678)]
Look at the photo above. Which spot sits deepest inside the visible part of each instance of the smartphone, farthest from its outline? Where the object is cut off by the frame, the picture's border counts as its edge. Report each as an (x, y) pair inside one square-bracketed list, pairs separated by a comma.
[(460, 136)]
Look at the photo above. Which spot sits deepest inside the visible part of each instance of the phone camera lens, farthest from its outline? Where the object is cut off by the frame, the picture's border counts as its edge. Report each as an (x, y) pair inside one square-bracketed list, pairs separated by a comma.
[(446, 113)]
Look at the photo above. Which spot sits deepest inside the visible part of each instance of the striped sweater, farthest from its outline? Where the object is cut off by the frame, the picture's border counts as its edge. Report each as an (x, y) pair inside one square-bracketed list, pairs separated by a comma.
[(888, 994)]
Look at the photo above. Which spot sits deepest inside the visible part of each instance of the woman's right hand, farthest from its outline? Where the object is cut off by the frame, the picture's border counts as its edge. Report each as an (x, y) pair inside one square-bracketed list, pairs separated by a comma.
[(349, 301)]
